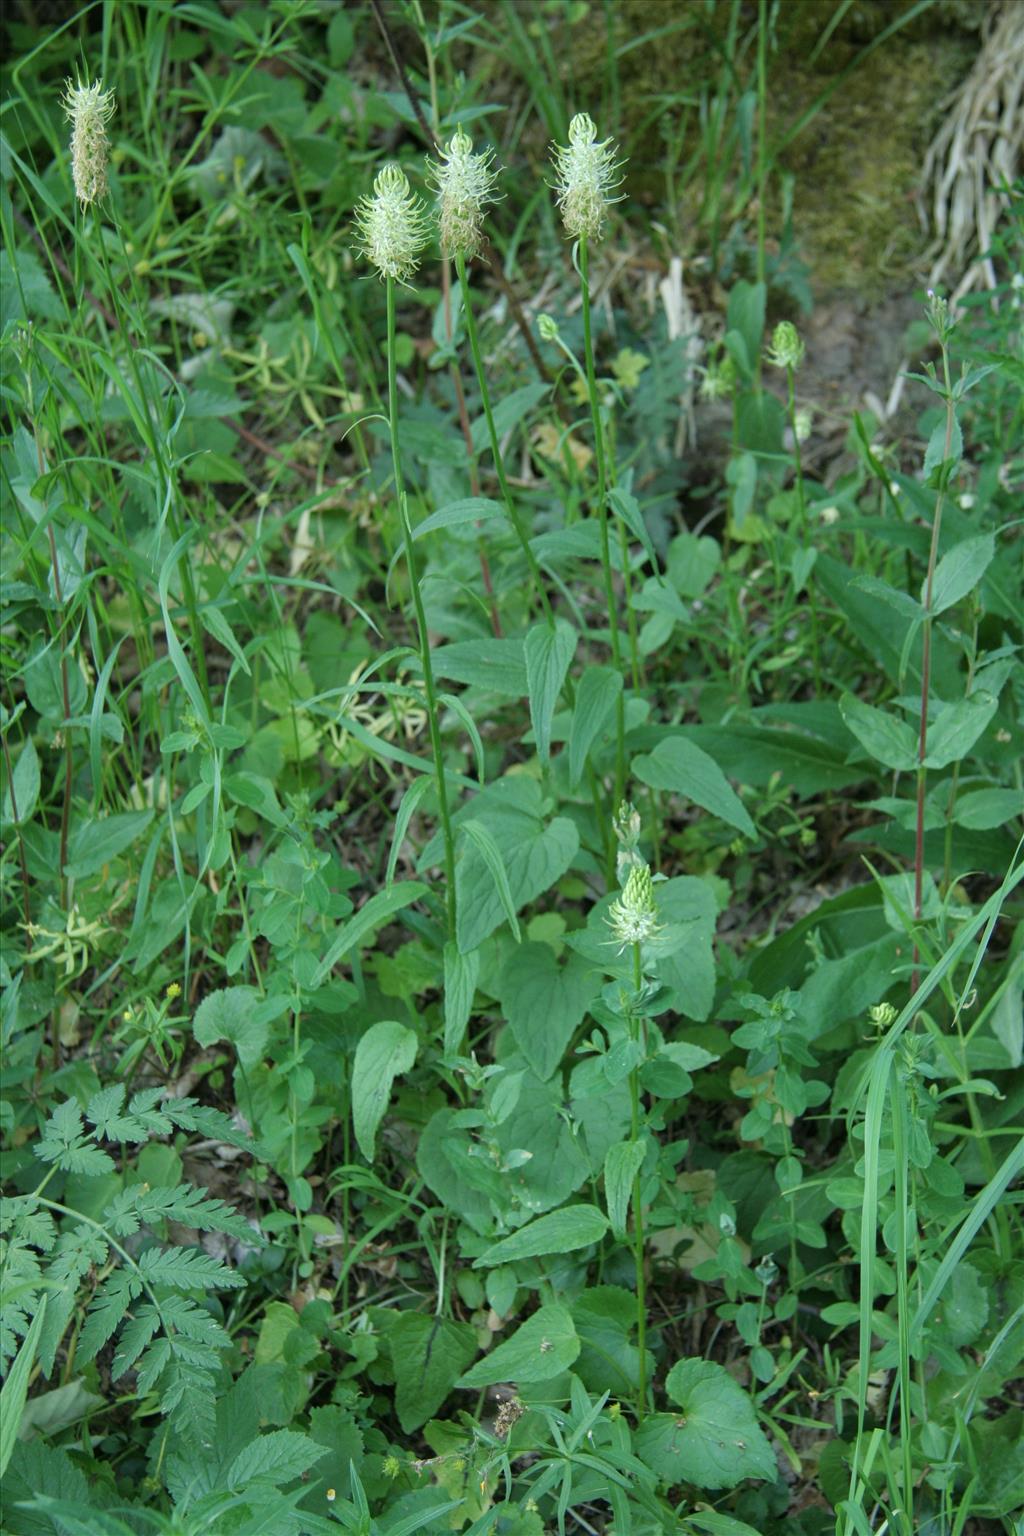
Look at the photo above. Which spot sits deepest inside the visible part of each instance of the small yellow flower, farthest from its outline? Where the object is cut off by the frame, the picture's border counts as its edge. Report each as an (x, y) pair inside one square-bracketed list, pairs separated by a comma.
[(331, 1495), (173, 991)]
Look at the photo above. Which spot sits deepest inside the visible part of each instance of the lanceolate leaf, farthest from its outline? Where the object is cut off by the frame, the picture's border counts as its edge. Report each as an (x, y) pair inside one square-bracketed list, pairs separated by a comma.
[(549, 649), (621, 1166), (376, 911), (886, 738), (576, 1226), (460, 977), (677, 765), (384, 1052), (959, 571), (598, 689)]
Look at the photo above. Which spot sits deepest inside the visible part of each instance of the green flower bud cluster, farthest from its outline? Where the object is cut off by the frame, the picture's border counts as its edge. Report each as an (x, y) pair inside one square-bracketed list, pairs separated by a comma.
[(787, 349)]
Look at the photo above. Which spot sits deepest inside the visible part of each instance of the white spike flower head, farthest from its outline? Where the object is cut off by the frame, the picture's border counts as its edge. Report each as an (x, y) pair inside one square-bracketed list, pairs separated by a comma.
[(787, 349), (633, 918), (391, 226), (88, 109), (586, 172), (464, 185)]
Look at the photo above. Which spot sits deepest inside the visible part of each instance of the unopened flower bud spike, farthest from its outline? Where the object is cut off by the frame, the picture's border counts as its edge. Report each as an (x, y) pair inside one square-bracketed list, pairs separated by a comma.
[(787, 351)]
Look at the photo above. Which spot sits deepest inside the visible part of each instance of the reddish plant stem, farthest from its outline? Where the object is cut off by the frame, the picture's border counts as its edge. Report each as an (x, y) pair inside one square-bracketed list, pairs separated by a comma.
[(926, 672)]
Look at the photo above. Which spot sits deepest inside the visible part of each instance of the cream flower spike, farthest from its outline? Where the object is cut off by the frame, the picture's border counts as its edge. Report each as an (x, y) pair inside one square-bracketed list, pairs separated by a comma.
[(633, 918), (586, 175), (391, 225), (464, 185), (88, 109)]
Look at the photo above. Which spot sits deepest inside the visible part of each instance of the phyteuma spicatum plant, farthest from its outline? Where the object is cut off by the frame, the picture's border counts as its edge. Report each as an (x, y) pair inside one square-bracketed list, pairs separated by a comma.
[(391, 228), (464, 184)]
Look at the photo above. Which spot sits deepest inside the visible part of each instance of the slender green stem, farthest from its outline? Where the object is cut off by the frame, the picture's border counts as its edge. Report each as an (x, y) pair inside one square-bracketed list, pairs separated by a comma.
[(900, 1155), (421, 618), (926, 660), (602, 517), (492, 432), (638, 1213), (801, 501)]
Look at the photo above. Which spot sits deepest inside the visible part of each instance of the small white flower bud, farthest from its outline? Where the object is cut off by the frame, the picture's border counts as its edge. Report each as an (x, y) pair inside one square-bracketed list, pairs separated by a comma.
[(586, 172), (88, 109), (803, 421), (391, 226), (548, 328), (464, 185)]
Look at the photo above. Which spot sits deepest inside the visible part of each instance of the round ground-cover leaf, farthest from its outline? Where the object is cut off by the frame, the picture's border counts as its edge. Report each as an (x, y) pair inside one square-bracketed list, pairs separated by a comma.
[(555, 1167), (605, 1318), (447, 1177), (231, 1014), (545, 1003), (681, 768), (686, 908), (384, 1052), (715, 1440), (429, 1354), (545, 1345), (535, 853), (574, 1226), (600, 1108)]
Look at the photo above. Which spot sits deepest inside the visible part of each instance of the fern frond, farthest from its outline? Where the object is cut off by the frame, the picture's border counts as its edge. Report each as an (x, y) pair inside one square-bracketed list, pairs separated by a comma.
[(141, 1205), (135, 1335), (190, 1115), (106, 1311), (104, 1112), (192, 1321), (64, 1142), (77, 1252), (186, 1269), (22, 1283), (22, 1218)]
